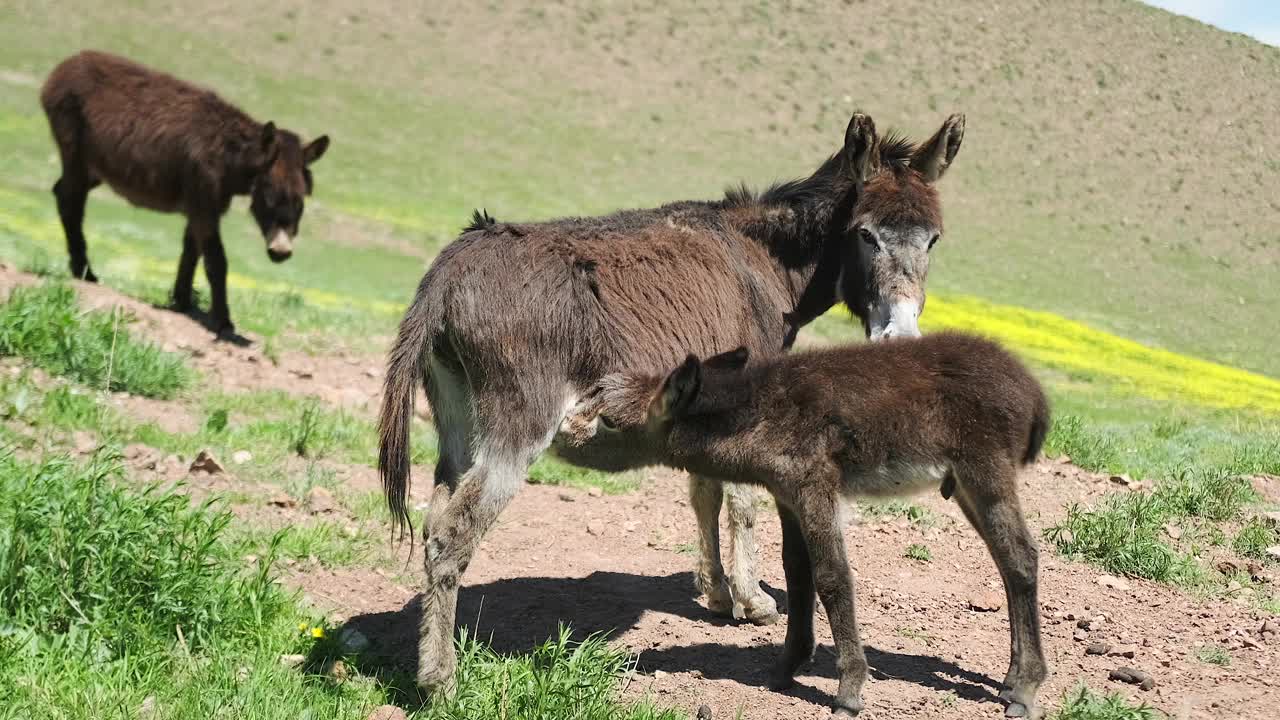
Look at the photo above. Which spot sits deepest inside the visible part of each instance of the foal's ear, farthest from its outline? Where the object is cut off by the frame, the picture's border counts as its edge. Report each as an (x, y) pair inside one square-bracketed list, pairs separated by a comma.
[(732, 360), (315, 149), (861, 145), (934, 157), (678, 390), (268, 134)]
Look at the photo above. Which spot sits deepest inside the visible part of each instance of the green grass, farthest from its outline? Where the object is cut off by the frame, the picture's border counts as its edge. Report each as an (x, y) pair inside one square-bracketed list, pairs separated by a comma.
[(164, 617), (1124, 532), (1254, 538), (1085, 704), (916, 551), (550, 470), (1213, 655), (917, 514), (45, 325)]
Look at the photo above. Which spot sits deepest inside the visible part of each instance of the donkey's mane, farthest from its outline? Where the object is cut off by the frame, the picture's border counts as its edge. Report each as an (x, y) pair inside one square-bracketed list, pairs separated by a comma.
[(895, 151), (480, 220)]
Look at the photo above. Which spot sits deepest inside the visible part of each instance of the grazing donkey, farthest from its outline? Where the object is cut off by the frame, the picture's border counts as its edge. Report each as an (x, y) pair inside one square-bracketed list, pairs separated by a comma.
[(946, 411), (166, 145), (513, 322)]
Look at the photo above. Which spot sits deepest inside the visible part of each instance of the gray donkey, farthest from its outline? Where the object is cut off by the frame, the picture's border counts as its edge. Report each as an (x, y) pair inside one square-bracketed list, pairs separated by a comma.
[(946, 412), (514, 322)]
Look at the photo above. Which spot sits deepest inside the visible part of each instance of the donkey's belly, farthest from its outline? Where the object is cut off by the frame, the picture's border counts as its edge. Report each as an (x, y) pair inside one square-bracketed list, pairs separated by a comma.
[(894, 479)]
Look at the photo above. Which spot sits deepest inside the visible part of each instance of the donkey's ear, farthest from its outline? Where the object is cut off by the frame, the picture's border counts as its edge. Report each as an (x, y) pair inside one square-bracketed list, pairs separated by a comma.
[(861, 147), (315, 149), (934, 157), (678, 390), (268, 134), (732, 360)]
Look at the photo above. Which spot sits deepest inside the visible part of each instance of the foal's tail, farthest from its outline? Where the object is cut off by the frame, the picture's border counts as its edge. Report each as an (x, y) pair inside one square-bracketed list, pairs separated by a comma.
[(406, 364), (1039, 428)]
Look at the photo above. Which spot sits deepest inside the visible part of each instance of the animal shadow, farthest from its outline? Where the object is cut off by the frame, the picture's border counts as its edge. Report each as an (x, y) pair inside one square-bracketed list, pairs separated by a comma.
[(516, 615), (202, 317)]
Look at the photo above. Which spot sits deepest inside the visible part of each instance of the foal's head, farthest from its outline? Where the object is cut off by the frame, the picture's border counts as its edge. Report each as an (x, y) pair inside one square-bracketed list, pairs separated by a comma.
[(896, 220), (283, 180)]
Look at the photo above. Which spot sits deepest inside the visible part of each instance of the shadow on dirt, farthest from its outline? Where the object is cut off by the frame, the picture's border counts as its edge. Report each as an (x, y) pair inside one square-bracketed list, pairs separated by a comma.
[(518, 614)]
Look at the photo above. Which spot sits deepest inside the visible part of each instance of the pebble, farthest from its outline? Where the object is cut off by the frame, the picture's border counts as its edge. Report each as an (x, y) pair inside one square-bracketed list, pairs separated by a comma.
[(1110, 581), (595, 492), (292, 660), (1097, 648), (986, 602), (1133, 677), (282, 499), (1080, 635), (320, 500), (387, 712), (704, 712), (241, 457), (595, 527), (566, 497), (1124, 651)]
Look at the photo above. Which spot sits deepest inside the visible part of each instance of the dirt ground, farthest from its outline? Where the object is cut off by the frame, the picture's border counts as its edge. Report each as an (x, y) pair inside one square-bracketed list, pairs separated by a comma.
[(936, 642)]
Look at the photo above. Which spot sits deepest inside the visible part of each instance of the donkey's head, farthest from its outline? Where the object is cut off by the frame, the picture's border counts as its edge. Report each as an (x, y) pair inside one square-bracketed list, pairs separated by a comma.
[(895, 222), (281, 182)]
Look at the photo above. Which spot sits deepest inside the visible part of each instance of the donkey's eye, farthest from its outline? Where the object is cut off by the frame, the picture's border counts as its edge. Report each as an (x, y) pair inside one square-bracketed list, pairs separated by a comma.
[(608, 424), (866, 237), (933, 240)]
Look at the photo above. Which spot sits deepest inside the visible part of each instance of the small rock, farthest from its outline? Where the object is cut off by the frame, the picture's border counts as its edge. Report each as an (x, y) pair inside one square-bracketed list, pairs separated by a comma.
[(595, 527), (986, 602), (704, 712), (1122, 479), (1124, 651), (1064, 459), (339, 671), (1097, 648), (205, 462), (370, 373), (292, 660), (387, 712), (1173, 531), (1228, 567), (147, 709), (659, 674), (595, 492), (282, 499), (303, 374), (1273, 552), (1272, 517), (1080, 635), (1110, 581), (85, 442), (320, 500), (1234, 586), (352, 640), (1133, 677), (630, 525), (241, 457), (565, 497)]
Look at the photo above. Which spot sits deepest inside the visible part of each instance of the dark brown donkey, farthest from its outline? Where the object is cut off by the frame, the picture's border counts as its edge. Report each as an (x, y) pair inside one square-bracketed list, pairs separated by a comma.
[(945, 412), (513, 322), (166, 145)]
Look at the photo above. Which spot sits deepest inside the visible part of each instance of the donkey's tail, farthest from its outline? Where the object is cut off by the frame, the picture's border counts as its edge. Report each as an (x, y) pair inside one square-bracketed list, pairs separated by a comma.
[(406, 365), (1039, 428)]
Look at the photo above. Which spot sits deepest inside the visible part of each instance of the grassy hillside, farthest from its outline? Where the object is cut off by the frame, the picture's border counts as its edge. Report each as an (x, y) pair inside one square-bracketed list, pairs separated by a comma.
[(1121, 165)]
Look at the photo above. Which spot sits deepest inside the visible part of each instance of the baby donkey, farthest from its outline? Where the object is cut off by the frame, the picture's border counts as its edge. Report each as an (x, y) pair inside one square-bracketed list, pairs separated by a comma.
[(948, 411)]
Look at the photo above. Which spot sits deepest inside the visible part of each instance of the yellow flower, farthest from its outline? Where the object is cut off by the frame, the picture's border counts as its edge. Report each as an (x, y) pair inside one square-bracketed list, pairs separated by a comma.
[(317, 632), (1055, 342), (302, 627)]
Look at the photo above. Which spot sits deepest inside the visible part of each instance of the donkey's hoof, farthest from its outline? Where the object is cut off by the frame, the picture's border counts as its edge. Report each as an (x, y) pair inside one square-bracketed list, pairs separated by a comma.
[(1018, 710), (780, 681), (719, 599), (759, 610), (437, 681)]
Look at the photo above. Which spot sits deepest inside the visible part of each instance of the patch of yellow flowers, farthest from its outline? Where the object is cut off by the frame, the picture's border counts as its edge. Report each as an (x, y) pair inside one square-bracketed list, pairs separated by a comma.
[(1072, 347)]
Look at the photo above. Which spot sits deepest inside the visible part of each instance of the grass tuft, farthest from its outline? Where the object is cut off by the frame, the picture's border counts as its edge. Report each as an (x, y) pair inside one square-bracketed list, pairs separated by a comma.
[(916, 551), (45, 325), (1254, 538), (1084, 704)]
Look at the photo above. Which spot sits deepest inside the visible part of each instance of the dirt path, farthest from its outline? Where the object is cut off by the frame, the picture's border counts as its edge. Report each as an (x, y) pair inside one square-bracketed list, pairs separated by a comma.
[(613, 564), (622, 564)]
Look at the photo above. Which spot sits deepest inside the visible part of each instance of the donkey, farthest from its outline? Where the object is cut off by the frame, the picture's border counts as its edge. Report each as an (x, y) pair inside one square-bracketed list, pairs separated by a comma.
[(947, 411), (170, 146), (513, 322)]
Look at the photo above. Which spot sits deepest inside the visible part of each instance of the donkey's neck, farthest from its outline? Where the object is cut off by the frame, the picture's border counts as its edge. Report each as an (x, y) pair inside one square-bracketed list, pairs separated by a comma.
[(799, 222)]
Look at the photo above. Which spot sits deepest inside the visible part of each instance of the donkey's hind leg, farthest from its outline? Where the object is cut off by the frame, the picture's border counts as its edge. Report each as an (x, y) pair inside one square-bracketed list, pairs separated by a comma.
[(503, 451), (991, 505), (72, 189), (750, 601)]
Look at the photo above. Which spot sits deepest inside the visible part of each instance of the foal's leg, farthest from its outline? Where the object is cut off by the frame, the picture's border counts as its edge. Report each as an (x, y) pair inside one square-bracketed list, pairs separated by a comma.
[(799, 645), (750, 601), (991, 505), (215, 270), (820, 521), (705, 495)]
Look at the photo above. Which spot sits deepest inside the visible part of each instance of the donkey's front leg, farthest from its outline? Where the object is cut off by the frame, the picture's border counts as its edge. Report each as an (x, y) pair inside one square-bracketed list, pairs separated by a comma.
[(750, 601), (706, 495)]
